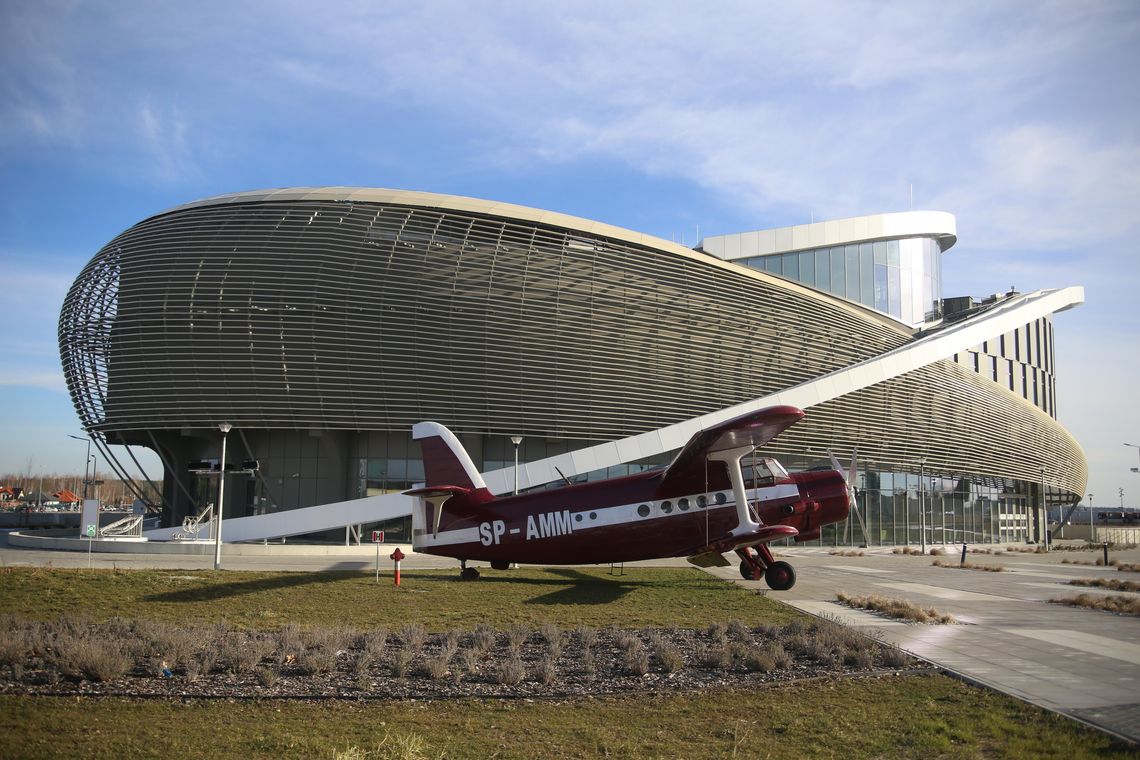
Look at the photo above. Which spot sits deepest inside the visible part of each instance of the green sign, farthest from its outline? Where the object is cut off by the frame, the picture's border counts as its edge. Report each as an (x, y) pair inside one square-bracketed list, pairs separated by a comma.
[(91, 531)]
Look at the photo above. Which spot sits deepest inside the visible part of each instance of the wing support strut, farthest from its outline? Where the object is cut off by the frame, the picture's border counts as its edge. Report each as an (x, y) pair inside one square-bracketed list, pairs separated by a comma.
[(731, 458)]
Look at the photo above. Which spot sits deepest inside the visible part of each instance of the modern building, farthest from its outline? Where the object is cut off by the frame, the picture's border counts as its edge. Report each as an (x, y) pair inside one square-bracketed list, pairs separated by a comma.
[(322, 323)]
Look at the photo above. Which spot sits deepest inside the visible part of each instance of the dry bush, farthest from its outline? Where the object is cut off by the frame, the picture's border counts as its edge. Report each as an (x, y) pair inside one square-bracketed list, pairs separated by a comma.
[(289, 643), (896, 608), (969, 566), (758, 660), (589, 662), (483, 639), (266, 676), (15, 647), (627, 641), (715, 656), (436, 667), (205, 659), (1112, 584), (1125, 605), (905, 550), (401, 662), (414, 636), (937, 551), (670, 657), (469, 659), (781, 660), (318, 660), (738, 630), (450, 641), (84, 657), (587, 636), (1128, 567), (893, 657), (510, 670), (717, 631), (362, 662), (635, 660), (517, 635), (546, 671), (374, 641), (864, 659), (242, 655)]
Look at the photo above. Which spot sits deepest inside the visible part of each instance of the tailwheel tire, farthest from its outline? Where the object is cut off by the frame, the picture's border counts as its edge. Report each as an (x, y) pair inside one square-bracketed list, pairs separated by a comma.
[(748, 572), (469, 574), (780, 576)]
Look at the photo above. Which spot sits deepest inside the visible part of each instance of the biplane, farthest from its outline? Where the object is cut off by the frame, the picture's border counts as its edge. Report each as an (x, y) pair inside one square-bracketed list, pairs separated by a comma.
[(717, 496)]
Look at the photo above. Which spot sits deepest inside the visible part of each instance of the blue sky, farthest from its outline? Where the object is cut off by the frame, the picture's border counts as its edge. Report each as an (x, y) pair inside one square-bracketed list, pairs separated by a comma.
[(1021, 118)]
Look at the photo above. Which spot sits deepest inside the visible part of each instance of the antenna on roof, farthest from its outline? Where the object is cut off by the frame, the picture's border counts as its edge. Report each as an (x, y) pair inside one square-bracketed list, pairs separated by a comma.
[(911, 193)]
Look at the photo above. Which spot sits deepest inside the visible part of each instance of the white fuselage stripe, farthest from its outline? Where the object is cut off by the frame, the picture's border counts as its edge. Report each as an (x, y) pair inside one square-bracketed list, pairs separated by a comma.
[(621, 514)]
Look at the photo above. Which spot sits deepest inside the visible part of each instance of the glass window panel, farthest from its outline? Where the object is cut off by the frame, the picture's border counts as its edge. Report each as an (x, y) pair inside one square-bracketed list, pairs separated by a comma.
[(893, 253), (880, 250), (807, 267), (851, 258), (881, 287), (838, 275), (822, 269), (773, 265), (894, 306), (906, 304), (792, 266), (867, 277)]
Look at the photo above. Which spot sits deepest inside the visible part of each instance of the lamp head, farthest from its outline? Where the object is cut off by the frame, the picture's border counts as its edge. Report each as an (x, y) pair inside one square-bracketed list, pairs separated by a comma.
[(225, 427), (516, 439)]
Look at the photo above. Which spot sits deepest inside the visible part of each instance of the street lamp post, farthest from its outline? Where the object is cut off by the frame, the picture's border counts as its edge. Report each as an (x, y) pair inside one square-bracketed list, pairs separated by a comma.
[(225, 427), (1092, 528), (1044, 513), (516, 440), (922, 503), (1137, 447), (86, 462)]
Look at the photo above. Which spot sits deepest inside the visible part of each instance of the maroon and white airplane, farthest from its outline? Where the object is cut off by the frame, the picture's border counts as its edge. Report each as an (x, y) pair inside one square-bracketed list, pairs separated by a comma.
[(716, 496)]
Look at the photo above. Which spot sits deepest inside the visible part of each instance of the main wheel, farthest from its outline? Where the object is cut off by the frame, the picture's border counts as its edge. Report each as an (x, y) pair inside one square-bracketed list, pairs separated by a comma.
[(469, 574), (748, 572), (780, 576)]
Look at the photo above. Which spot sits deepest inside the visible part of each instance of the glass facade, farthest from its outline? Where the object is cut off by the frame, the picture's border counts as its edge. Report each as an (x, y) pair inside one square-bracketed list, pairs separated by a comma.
[(900, 278)]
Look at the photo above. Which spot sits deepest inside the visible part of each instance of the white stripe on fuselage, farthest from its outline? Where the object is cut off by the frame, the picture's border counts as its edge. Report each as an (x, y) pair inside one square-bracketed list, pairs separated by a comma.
[(603, 517)]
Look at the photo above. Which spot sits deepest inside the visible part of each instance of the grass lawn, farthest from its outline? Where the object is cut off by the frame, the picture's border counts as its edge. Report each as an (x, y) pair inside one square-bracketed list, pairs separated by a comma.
[(437, 599), (921, 716)]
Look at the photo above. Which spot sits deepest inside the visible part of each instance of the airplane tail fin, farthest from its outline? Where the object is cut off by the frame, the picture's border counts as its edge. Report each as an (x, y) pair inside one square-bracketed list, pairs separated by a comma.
[(446, 462)]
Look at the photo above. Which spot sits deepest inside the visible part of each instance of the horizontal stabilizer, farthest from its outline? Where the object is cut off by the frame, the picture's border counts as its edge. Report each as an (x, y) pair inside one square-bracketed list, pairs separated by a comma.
[(765, 534)]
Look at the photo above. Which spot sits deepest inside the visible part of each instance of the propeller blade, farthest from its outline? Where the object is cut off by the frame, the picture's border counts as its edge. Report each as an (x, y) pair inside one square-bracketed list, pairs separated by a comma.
[(851, 477), (835, 463)]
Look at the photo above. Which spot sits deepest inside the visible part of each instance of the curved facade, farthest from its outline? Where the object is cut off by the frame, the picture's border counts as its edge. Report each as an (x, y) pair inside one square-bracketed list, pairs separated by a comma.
[(323, 323)]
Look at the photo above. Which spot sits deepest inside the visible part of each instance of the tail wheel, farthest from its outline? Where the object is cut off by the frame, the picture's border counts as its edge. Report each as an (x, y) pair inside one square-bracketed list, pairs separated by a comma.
[(780, 576)]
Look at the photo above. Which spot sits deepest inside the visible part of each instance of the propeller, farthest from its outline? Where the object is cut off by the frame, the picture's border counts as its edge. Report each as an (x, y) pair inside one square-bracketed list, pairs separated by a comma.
[(849, 481)]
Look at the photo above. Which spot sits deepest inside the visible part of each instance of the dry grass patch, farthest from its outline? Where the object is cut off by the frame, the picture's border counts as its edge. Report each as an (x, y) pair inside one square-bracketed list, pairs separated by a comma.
[(969, 566), (1112, 584), (846, 553), (1123, 605), (910, 550), (896, 608)]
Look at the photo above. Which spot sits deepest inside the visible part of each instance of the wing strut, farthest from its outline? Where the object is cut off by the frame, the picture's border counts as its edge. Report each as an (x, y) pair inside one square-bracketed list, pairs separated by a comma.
[(731, 458)]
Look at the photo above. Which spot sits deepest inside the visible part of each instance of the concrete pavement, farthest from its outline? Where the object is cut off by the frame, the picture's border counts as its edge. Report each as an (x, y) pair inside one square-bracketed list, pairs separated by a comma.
[(1080, 662)]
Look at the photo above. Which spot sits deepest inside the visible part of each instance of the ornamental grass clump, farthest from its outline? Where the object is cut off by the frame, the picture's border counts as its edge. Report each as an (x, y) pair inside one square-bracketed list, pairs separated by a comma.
[(510, 671)]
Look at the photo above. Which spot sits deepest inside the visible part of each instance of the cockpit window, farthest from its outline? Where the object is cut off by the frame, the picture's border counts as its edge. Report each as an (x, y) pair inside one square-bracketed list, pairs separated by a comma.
[(777, 469)]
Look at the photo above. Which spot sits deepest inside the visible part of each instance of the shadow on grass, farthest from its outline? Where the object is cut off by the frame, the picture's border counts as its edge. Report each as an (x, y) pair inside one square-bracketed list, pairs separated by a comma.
[(572, 586), (214, 592)]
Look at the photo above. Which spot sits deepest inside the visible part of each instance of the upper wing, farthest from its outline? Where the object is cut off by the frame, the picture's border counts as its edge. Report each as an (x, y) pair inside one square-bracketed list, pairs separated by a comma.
[(753, 429)]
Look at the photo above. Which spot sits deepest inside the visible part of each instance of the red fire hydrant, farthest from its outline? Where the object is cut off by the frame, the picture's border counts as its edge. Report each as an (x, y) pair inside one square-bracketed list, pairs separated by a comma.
[(397, 556)]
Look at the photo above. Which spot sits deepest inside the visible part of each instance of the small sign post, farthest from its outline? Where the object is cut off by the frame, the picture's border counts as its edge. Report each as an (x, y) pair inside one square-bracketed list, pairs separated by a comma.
[(377, 538), (91, 528)]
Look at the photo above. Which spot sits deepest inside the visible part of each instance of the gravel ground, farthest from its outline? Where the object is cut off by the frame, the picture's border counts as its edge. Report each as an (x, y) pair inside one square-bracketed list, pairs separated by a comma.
[(413, 665)]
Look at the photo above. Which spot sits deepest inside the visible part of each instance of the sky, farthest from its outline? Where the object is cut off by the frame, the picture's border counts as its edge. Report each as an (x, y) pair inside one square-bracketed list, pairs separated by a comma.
[(670, 118)]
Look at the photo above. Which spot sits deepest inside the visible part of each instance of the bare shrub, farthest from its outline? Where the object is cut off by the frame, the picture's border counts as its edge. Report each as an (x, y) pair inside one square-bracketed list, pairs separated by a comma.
[(738, 630), (635, 660), (401, 662), (84, 657), (715, 656), (517, 635), (627, 641), (717, 631), (670, 657), (205, 659), (14, 647), (290, 643), (266, 676), (510, 670), (863, 659), (758, 660), (483, 639), (781, 660), (587, 636), (546, 672), (313, 661), (193, 669), (414, 636), (449, 644), (242, 655), (589, 662), (374, 641), (469, 659), (362, 661), (436, 667)]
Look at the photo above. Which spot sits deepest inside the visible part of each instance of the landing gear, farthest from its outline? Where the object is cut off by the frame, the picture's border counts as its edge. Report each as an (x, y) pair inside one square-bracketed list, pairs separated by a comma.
[(757, 562), (467, 573)]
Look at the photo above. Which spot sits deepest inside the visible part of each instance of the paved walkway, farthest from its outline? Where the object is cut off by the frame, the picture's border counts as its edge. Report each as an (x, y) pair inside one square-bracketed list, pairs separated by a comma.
[(1080, 662)]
